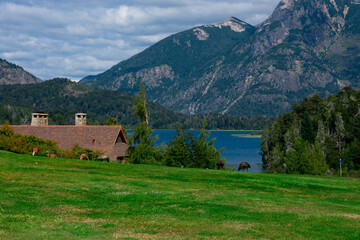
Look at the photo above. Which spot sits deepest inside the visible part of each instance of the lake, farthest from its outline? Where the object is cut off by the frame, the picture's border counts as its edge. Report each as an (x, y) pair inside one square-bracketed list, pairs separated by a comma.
[(236, 148)]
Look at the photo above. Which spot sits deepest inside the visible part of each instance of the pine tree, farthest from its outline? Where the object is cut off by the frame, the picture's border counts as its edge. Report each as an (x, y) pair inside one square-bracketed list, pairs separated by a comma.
[(307, 129), (353, 154), (179, 151), (206, 155), (188, 151)]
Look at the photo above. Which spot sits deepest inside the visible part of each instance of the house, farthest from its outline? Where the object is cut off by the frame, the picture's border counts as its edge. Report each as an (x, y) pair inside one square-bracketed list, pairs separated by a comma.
[(109, 139)]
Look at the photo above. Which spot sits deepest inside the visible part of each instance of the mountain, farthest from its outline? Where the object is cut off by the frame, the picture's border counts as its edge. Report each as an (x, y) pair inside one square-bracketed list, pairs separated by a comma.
[(62, 98), (305, 46), (13, 74)]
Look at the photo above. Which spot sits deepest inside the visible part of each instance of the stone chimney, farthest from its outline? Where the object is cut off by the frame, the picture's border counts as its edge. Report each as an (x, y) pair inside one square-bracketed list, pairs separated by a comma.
[(39, 119), (80, 119)]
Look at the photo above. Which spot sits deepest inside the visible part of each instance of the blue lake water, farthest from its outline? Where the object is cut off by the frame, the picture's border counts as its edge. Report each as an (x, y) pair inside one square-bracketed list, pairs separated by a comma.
[(236, 149)]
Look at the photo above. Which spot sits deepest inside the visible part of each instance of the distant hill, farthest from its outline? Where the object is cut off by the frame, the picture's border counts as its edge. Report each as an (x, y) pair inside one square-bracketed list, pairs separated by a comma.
[(13, 74), (235, 68), (62, 98)]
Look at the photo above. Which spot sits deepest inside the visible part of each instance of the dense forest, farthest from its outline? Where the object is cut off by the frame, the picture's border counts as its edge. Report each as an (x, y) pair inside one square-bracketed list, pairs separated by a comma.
[(62, 98), (15, 115), (315, 135)]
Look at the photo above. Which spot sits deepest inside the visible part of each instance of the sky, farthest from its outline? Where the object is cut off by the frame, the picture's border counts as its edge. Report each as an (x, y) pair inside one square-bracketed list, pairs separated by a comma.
[(77, 38)]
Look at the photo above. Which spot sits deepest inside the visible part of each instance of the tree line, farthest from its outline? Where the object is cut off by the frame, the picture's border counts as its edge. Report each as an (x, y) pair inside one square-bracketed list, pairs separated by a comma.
[(315, 135)]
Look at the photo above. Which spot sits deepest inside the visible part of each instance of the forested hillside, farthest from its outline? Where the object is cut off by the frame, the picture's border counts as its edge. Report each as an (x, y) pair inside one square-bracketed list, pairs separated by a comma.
[(312, 138), (62, 98), (15, 115)]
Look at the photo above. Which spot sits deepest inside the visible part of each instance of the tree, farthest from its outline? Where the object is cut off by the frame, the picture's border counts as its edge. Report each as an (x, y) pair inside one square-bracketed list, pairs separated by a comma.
[(353, 154), (206, 155), (179, 152), (187, 151), (321, 135), (307, 129), (6, 130), (143, 149), (339, 131), (305, 158), (140, 106), (112, 121)]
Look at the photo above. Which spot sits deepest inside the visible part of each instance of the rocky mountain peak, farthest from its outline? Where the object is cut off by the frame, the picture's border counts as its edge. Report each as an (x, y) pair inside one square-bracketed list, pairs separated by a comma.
[(13, 74), (235, 24), (315, 20)]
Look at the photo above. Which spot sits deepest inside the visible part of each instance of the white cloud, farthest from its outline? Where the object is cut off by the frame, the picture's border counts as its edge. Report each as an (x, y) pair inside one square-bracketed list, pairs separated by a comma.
[(73, 39), (152, 38)]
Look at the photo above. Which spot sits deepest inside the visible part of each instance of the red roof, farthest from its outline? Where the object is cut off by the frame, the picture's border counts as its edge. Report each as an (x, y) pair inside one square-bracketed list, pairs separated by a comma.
[(109, 139)]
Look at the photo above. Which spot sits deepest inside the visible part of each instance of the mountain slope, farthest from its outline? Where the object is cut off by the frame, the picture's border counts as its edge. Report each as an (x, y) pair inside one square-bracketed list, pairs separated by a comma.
[(303, 47), (169, 67), (13, 74)]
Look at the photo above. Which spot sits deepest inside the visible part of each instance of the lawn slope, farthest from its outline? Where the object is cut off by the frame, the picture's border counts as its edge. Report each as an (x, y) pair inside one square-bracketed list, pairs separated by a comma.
[(42, 198)]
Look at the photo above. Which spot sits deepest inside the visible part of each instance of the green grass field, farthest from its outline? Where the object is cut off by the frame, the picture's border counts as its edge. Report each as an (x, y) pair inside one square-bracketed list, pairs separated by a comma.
[(42, 198)]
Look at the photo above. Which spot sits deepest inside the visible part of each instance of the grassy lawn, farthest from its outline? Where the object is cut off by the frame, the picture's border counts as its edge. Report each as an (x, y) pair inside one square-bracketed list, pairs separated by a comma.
[(42, 198)]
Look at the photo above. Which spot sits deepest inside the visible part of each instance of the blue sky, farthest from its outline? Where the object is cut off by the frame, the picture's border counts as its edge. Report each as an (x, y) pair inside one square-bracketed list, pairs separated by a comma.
[(74, 39)]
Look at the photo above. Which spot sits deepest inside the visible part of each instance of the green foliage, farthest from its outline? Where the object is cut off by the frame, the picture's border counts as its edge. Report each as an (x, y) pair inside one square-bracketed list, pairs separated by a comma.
[(307, 129), (143, 149), (179, 152), (6, 130), (140, 106), (206, 155), (328, 130), (146, 154), (112, 121), (23, 144), (188, 151), (352, 154), (305, 158), (14, 115)]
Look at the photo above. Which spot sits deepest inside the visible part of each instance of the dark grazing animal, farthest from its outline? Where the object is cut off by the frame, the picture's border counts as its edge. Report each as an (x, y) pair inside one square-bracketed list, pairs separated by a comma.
[(243, 166), (35, 150), (220, 164)]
